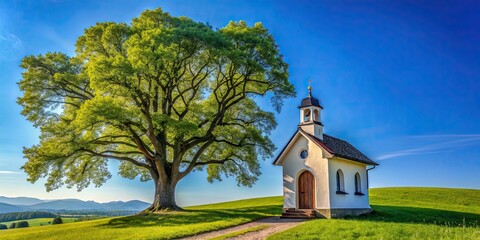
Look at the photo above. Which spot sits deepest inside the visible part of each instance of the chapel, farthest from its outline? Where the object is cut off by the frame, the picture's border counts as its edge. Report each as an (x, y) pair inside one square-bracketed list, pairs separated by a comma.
[(323, 176)]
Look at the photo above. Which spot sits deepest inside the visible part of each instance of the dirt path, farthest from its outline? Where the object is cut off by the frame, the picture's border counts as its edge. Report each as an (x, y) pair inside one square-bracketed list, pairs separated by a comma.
[(275, 224)]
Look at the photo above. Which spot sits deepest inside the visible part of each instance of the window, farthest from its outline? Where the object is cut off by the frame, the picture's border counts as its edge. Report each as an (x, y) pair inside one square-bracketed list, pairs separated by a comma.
[(315, 115), (358, 185), (340, 183), (304, 154), (306, 115)]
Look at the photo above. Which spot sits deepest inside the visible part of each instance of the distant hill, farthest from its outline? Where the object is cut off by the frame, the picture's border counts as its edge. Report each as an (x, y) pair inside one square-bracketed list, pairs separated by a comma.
[(6, 208), (67, 204), (21, 200), (133, 205), (75, 204), (21, 204)]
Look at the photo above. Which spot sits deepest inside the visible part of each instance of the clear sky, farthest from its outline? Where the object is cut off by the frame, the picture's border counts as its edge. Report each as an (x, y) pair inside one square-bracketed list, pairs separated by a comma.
[(400, 81)]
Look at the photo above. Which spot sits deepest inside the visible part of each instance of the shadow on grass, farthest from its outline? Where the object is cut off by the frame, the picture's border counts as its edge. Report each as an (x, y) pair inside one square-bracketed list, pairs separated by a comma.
[(400, 214), (192, 217)]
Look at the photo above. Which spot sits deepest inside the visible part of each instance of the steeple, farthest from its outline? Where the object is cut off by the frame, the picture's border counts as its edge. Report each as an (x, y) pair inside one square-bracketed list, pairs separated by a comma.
[(310, 120)]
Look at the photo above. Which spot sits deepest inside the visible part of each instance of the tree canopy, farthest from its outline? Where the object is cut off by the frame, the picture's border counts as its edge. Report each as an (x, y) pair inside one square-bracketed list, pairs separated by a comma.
[(164, 95)]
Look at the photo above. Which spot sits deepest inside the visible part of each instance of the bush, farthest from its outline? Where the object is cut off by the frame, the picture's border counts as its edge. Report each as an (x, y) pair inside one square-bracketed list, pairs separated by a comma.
[(3, 226), (22, 224), (57, 220), (13, 225)]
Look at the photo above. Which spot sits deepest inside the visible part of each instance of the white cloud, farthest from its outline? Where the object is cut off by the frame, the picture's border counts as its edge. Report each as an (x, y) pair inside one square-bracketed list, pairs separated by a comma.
[(443, 143), (10, 46), (13, 40), (9, 172)]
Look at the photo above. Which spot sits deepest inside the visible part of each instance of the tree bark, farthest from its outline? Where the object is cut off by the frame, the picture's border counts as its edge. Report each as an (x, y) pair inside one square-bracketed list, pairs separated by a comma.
[(164, 199)]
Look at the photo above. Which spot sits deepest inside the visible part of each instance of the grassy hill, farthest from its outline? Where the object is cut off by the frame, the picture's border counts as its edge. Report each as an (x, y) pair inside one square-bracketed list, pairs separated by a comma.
[(157, 226), (403, 213), (400, 213)]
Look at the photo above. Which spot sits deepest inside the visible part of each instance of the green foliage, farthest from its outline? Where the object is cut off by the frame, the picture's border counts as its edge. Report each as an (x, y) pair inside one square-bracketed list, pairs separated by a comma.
[(57, 220), (6, 217), (12, 225), (3, 226), (22, 224), (165, 95)]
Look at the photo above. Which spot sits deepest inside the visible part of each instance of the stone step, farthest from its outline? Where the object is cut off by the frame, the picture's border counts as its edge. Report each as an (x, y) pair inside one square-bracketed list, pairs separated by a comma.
[(301, 211), (297, 216)]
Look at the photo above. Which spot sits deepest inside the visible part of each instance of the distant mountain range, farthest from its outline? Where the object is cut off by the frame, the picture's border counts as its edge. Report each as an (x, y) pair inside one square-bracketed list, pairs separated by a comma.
[(22, 204), (6, 208)]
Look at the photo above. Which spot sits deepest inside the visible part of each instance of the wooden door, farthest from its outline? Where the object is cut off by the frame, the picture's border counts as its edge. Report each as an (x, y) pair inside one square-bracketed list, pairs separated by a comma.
[(306, 188)]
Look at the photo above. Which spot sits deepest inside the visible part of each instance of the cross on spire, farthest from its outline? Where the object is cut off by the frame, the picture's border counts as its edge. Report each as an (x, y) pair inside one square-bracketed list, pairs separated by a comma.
[(309, 88)]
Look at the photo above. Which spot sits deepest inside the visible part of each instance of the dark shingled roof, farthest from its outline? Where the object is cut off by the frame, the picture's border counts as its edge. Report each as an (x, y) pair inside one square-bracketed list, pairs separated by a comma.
[(341, 148), (310, 101), (334, 146)]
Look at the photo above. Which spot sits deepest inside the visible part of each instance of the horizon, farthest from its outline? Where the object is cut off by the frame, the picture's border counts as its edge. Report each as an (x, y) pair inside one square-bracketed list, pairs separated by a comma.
[(399, 81), (45, 199)]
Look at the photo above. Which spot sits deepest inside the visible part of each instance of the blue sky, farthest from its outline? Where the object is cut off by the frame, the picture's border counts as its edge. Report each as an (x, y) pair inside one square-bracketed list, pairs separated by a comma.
[(400, 81)]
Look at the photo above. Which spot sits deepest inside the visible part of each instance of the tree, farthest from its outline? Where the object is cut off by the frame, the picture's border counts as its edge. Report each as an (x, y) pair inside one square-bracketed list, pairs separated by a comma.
[(22, 224), (164, 95), (3, 226), (12, 225), (57, 220)]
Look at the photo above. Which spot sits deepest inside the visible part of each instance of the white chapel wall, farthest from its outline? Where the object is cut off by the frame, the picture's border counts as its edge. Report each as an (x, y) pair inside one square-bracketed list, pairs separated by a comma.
[(293, 165), (349, 170)]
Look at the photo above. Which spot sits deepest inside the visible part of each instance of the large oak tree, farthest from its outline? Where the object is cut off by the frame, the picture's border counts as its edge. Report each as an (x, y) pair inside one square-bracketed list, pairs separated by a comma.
[(164, 96)]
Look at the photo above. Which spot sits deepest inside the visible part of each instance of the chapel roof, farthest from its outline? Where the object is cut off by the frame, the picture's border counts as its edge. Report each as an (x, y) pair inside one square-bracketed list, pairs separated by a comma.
[(310, 100), (334, 146), (341, 148)]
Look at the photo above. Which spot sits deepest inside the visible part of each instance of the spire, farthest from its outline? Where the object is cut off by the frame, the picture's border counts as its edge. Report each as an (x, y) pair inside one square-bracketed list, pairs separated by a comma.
[(310, 100), (309, 88)]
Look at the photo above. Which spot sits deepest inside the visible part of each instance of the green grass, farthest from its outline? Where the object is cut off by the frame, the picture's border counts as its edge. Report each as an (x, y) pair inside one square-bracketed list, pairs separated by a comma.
[(240, 232), (39, 221), (157, 226), (403, 213), (400, 213)]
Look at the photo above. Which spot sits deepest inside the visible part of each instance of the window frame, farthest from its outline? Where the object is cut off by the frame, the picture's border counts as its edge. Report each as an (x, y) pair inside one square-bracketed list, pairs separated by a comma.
[(340, 180)]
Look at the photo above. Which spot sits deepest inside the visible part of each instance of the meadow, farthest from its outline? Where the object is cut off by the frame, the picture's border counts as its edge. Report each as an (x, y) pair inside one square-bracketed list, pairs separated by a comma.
[(39, 221), (400, 213), (165, 225), (403, 213)]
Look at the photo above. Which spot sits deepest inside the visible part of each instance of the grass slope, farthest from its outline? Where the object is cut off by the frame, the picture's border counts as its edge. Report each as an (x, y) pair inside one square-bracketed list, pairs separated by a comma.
[(39, 221), (400, 213), (403, 213), (157, 226)]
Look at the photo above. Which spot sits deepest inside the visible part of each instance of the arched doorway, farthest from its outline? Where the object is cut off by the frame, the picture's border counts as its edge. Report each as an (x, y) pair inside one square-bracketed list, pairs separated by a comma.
[(306, 188)]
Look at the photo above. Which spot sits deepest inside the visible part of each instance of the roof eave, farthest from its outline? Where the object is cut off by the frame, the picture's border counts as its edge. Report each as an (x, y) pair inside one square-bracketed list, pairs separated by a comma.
[(357, 160), (280, 155)]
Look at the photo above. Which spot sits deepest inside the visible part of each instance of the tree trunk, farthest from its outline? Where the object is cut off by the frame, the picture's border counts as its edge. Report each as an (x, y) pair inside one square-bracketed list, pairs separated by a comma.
[(164, 199)]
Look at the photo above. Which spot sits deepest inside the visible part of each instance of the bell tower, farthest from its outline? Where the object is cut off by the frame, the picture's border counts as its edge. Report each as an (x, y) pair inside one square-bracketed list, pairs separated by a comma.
[(310, 120)]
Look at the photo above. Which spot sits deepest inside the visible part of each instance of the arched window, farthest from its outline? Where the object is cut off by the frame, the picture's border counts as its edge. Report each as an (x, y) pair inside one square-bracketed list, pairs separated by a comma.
[(340, 183), (306, 115), (315, 115), (358, 184)]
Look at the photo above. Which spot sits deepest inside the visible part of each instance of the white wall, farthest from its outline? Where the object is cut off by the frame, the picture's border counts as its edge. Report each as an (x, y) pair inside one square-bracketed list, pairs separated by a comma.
[(349, 169), (293, 166)]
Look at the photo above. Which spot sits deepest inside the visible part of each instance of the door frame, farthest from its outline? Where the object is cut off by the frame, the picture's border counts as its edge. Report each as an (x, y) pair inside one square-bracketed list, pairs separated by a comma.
[(297, 189)]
